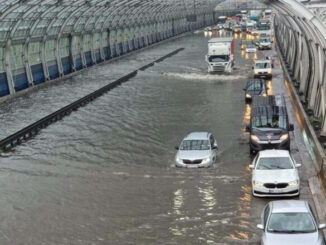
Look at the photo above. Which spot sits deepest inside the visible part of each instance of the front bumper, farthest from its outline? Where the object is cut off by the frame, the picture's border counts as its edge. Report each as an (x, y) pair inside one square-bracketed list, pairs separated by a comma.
[(266, 192), (200, 165), (264, 76), (265, 145), (265, 47)]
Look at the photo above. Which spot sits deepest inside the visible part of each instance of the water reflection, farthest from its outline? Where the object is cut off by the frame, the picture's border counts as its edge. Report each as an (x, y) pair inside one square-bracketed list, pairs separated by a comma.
[(208, 197)]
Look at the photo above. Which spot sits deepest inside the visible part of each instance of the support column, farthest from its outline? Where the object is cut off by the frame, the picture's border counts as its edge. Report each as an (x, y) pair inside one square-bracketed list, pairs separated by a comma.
[(7, 67)]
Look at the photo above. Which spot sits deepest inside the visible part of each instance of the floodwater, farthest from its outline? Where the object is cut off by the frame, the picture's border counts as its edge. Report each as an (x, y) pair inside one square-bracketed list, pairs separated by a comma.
[(105, 174)]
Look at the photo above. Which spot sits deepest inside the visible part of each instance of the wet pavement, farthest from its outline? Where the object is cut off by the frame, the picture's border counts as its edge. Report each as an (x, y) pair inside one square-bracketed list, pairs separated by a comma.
[(106, 175)]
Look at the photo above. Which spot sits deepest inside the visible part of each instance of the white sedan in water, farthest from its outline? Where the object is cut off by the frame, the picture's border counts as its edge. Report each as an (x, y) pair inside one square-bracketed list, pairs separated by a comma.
[(197, 150), (275, 174)]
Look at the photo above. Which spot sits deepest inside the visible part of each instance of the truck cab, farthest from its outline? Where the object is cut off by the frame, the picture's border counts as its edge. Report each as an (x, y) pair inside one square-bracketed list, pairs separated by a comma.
[(220, 56)]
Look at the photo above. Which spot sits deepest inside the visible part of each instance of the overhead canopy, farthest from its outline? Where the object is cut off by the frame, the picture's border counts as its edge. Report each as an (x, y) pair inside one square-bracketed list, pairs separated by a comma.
[(20, 19)]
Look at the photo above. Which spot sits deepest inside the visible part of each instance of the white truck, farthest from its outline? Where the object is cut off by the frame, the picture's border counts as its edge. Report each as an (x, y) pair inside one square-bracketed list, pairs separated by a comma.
[(220, 56)]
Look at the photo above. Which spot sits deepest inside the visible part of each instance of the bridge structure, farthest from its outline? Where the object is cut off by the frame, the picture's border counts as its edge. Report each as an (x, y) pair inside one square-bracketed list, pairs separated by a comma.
[(44, 40), (47, 40)]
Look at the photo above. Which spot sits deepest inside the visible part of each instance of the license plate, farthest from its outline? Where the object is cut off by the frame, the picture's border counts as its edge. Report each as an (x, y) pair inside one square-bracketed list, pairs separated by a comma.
[(274, 191), (192, 166)]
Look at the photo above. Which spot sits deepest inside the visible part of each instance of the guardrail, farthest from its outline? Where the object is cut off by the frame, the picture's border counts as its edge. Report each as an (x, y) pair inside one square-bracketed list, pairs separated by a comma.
[(301, 44), (31, 130)]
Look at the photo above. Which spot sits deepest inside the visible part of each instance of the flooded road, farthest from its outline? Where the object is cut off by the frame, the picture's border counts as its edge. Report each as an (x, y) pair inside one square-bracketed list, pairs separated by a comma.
[(106, 175)]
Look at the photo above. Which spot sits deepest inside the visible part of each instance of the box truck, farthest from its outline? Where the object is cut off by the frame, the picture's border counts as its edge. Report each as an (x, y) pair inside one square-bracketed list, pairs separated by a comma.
[(220, 56)]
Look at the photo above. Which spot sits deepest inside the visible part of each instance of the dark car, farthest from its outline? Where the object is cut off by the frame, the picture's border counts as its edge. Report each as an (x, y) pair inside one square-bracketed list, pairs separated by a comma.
[(255, 87), (269, 124)]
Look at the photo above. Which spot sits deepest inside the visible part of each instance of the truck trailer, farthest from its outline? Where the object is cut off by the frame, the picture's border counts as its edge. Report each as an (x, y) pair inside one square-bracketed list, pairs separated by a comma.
[(220, 56)]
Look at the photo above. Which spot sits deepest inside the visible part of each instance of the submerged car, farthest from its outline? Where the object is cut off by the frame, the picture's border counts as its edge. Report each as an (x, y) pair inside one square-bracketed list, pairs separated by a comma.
[(255, 87), (275, 174), (197, 150), (290, 222)]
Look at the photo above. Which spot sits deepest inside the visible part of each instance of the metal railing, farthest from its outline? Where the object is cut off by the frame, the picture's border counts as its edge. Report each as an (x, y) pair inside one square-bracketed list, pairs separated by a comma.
[(26, 133)]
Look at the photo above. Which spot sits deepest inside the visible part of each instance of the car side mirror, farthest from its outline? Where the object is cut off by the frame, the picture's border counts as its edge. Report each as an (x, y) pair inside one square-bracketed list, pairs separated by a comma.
[(177, 147), (253, 67), (251, 166), (244, 89), (215, 147), (291, 127), (247, 128), (298, 165), (322, 226), (260, 227)]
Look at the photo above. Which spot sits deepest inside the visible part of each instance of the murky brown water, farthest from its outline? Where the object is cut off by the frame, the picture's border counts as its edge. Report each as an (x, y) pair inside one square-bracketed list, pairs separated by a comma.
[(105, 174)]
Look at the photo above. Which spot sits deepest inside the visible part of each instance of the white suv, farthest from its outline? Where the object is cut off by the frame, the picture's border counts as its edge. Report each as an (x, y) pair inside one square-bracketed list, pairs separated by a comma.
[(263, 69)]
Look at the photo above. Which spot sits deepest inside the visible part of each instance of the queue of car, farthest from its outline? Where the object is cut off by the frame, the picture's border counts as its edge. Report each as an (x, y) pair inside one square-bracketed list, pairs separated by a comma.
[(274, 170)]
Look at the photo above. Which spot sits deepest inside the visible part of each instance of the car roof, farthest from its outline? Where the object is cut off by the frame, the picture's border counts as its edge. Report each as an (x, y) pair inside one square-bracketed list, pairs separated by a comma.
[(251, 81), (262, 61), (198, 136), (290, 206), (274, 153), (270, 100), (220, 39), (268, 111)]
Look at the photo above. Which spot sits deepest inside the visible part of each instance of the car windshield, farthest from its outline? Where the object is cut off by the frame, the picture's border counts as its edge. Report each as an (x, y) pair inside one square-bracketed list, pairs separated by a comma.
[(250, 46), (269, 121), (265, 163), (263, 65), (219, 58), (255, 86), (195, 145), (263, 28), (265, 40), (291, 223)]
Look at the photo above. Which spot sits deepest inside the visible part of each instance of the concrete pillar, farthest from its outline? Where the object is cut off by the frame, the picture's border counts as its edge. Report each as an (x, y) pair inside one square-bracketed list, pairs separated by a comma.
[(43, 59), (27, 63), (58, 56), (7, 67), (314, 76)]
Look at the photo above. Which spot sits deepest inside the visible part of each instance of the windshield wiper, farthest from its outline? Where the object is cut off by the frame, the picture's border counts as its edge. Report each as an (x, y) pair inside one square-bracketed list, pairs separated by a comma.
[(290, 231)]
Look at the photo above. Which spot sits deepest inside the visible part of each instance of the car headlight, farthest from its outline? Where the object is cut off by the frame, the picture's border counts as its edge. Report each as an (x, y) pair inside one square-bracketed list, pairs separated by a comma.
[(256, 72), (248, 96), (206, 160), (294, 183), (284, 137), (178, 160), (269, 72), (254, 137), (264, 94), (258, 183)]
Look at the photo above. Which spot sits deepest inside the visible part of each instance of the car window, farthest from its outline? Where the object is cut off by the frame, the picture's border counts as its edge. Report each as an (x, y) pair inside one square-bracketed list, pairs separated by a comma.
[(265, 163), (195, 145), (291, 223), (254, 86), (264, 65)]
